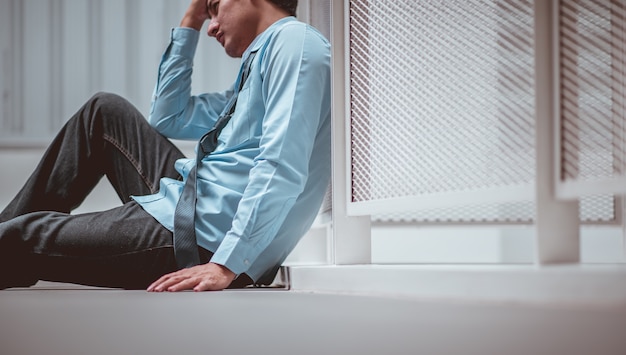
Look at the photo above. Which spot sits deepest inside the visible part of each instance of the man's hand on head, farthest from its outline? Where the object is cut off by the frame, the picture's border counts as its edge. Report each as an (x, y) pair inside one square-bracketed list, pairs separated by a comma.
[(206, 277), (197, 13)]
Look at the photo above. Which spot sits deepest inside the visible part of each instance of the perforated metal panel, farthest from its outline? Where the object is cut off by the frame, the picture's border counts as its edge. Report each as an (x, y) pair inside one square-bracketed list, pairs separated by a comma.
[(442, 100), (593, 34), (442, 96)]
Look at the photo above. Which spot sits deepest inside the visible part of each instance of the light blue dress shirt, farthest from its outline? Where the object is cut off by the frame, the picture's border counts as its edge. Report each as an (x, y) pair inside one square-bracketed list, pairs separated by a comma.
[(261, 189)]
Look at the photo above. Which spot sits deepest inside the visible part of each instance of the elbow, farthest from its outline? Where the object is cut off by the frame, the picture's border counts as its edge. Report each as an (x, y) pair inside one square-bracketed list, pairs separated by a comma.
[(162, 118), (160, 123)]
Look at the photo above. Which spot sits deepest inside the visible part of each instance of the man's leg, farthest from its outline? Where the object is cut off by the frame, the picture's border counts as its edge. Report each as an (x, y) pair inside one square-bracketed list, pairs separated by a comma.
[(122, 247), (107, 136)]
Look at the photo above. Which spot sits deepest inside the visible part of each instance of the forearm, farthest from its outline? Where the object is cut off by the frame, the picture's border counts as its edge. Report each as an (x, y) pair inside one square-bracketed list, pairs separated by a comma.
[(192, 20), (173, 87), (267, 200), (196, 15)]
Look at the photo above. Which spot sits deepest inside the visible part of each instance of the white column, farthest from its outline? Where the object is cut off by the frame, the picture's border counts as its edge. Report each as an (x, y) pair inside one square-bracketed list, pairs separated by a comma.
[(557, 221), (351, 237)]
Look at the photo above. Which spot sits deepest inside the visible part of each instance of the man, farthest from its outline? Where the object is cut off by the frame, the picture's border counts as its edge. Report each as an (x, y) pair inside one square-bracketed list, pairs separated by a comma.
[(258, 192)]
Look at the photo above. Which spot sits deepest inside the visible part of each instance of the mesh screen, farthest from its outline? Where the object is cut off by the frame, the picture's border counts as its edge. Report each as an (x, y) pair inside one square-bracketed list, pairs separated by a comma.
[(592, 88), (442, 100), (441, 96)]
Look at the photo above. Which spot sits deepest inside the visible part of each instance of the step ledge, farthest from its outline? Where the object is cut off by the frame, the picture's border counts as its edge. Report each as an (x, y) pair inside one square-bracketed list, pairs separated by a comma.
[(590, 284)]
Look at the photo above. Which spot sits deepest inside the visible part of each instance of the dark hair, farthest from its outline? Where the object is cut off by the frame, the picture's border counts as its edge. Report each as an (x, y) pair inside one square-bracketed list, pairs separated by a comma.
[(289, 6)]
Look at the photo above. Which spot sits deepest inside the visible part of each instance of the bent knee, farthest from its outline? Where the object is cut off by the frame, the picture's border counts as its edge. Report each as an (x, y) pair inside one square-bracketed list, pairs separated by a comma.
[(108, 106), (104, 98)]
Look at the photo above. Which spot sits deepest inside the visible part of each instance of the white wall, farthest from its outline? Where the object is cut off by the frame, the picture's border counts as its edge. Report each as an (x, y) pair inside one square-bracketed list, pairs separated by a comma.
[(55, 54), (483, 244)]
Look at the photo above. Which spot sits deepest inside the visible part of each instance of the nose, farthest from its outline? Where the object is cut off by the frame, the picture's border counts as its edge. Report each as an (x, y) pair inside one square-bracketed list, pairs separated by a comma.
[(213, 28)]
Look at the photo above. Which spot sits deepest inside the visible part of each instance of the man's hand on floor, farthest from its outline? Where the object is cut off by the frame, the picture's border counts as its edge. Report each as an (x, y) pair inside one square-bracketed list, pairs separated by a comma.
[(207, 277)]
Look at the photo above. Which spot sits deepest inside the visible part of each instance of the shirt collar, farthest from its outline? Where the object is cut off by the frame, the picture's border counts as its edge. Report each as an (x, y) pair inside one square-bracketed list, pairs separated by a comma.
[(262, 37)]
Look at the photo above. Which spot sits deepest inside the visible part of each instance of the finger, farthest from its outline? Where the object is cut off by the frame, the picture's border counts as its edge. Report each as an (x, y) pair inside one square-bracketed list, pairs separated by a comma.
[(153, 287), (184, 284), (167, 280)]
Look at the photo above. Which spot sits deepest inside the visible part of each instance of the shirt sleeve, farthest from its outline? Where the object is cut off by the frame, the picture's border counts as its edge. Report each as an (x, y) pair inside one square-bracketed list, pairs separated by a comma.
[(174, 112), (295, 72)]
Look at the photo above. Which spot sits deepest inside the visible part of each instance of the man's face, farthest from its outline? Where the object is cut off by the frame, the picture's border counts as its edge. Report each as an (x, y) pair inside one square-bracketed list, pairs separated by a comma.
[(233, 23)]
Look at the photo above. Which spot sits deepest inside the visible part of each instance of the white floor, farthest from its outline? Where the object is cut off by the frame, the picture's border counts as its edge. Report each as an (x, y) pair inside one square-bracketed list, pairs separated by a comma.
[(98, 321)]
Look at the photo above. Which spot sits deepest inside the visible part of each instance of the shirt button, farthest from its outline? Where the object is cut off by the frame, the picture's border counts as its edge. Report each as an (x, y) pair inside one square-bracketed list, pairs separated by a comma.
[(246, 262)]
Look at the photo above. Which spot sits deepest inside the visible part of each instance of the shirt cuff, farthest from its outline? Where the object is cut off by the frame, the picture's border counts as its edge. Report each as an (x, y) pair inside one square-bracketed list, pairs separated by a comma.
[(235, 254)]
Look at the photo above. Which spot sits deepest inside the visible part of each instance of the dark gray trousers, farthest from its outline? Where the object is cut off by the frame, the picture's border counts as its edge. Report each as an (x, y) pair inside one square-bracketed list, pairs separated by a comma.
[(122, 247)]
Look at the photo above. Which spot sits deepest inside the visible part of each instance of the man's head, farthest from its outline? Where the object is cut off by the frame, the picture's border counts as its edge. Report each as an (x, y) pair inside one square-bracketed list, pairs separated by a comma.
[(235, 23)]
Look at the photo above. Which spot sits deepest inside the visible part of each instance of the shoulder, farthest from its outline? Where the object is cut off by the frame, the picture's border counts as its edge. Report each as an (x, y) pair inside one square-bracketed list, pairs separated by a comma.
[(295, 40), (300, 32)]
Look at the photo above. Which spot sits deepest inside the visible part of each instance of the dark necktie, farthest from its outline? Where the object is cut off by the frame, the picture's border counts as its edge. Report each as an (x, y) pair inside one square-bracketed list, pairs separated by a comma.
[(185, 244)]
